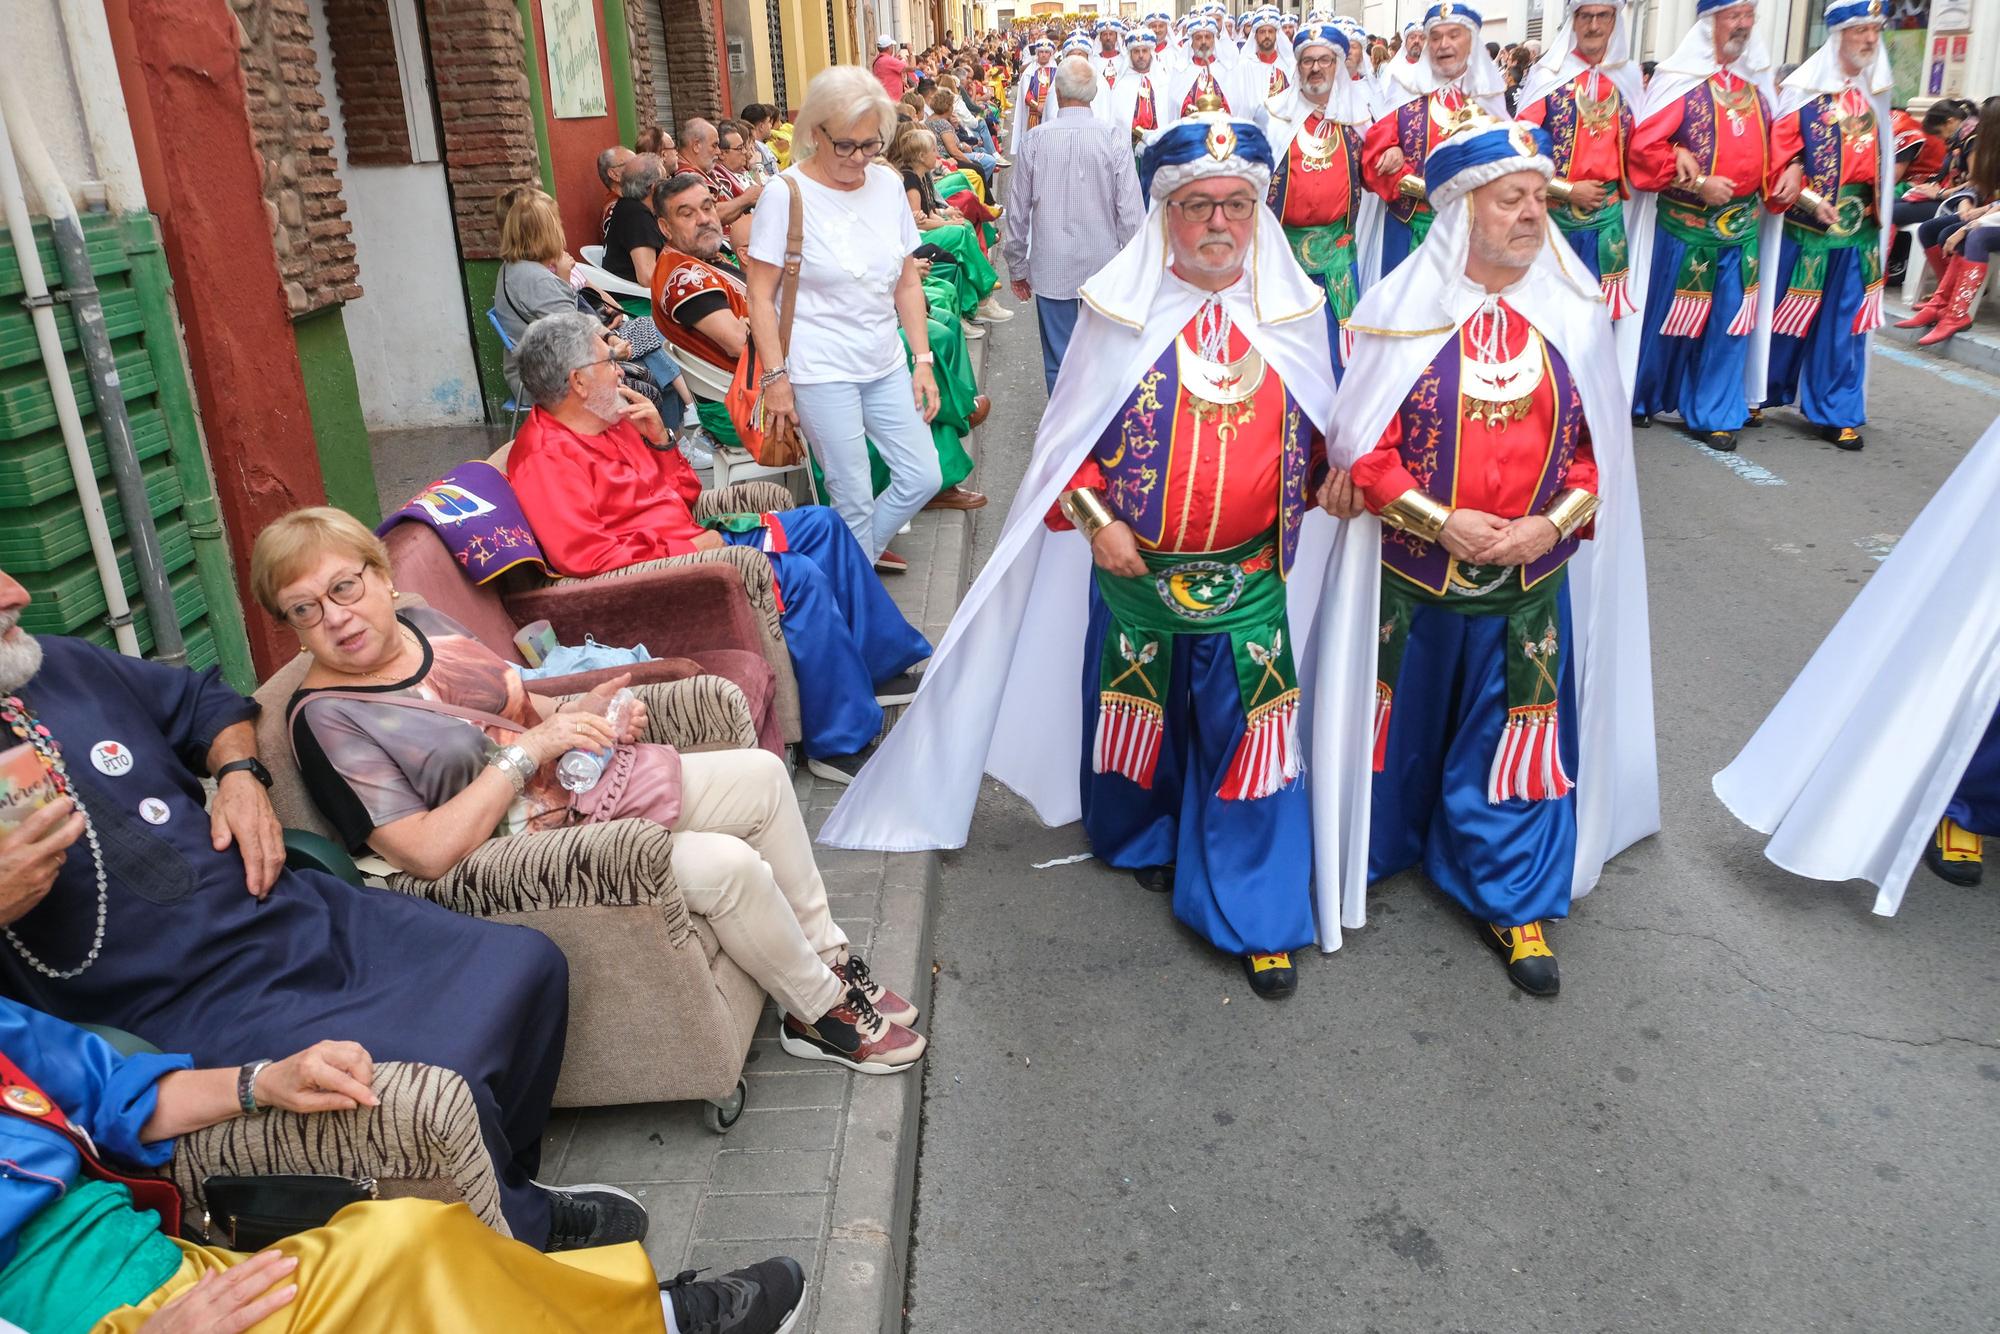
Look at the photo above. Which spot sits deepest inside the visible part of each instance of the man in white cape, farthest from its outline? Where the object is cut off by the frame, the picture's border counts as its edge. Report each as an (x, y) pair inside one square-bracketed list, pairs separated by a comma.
[(1585, 92), (1886, 749), (1109, 57), (1503, 701), (1184, 759), (1267, 69), (1034, 92), (1455, 77), (1700, 241), (1833, 172), (1315, 128), (1138, 100), (1405, 70), (1204, 75)]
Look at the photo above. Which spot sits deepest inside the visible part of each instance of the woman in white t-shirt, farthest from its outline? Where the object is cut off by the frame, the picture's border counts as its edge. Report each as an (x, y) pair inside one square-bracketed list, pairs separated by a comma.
[(844, 378)]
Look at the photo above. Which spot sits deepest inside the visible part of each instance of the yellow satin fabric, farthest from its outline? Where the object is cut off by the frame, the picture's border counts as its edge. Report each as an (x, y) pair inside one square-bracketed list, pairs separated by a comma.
[(421, 1265)]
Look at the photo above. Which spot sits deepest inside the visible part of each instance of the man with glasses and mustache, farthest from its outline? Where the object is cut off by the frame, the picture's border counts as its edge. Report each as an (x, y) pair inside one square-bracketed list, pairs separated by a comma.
[(1485, 405), (1702, 142), (1164, 509), (135, 901)]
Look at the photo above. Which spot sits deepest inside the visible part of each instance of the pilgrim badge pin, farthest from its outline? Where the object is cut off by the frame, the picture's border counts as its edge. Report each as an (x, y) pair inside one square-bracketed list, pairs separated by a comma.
[(154, 811), (113, 759), (26, 1101)]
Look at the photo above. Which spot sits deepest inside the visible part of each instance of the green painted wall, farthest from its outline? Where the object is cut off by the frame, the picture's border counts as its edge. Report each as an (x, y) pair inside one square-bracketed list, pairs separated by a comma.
[(534, 72), (618, 48), (480, 277), (43, 542), (334, 397)]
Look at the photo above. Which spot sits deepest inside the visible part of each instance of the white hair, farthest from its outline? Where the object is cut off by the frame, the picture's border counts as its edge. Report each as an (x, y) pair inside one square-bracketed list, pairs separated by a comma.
[(839, 98), (1076, 81)]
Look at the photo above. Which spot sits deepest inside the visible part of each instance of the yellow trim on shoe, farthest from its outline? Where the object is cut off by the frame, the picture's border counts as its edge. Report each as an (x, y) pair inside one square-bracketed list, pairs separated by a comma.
[(1264, 963), (1956, 843)]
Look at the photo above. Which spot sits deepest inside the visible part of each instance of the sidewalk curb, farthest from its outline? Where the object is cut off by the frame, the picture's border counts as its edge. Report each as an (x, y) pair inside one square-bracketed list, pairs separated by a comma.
[(1977, 348), (865, 1275)]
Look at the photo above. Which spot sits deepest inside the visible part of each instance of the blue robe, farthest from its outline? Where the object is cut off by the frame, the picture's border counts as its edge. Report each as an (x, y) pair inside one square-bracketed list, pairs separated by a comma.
[(192, 963), (1976, 804)]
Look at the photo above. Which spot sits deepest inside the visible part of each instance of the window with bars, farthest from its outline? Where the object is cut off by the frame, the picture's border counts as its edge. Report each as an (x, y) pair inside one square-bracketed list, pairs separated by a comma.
[(779, 94)]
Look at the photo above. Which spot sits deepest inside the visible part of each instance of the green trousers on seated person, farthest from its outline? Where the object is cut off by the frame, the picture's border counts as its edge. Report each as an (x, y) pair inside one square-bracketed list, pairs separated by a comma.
[(972, 276), (958, 182)]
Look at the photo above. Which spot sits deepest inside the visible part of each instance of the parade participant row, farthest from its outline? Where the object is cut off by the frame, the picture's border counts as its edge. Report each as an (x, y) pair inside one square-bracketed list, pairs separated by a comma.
[(1738, 230)]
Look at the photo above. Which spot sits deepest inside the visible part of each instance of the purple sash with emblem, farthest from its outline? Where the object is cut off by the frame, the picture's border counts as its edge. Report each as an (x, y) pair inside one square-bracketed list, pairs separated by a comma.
[(475, 514)]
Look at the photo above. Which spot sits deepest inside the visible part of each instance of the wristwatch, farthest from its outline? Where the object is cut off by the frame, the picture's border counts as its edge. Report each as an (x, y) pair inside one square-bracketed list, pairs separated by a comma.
[(252, 766), (246, 1086)]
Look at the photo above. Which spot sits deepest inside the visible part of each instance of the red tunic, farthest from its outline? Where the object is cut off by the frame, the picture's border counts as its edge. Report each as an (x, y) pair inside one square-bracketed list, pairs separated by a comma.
[(598, 503), (1740, 157), (1221, 486), (1315, 198), (1596, 156), (1858, 152), (1383, 136), (1499, 468)]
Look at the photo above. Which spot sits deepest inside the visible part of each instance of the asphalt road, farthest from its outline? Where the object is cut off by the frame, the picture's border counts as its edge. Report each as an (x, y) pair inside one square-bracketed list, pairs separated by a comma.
[(1754, 1107)]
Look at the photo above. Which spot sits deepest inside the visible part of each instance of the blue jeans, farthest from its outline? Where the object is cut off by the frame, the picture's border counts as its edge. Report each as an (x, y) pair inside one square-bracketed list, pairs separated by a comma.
[(839, 419), (665, 370), (1055, 320), (983, 134)]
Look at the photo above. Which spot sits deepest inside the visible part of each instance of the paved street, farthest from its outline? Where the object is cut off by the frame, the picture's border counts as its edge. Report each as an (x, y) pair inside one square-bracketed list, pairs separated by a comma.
[(1754, 1107)]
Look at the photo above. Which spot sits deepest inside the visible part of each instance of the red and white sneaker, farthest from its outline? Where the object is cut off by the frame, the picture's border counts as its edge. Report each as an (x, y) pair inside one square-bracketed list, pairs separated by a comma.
[(854, 972), (854, 1035)]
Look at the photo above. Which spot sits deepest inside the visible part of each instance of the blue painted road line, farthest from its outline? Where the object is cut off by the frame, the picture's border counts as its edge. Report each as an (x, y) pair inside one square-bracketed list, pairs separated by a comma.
[(1964, 379)]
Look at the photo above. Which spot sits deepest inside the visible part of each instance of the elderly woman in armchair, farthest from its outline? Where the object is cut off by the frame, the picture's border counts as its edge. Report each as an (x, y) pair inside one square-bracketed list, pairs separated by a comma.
[(80, 1250), (419, 743)]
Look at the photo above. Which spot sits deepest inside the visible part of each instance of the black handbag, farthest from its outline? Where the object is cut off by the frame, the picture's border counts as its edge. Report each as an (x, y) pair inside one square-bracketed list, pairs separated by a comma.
[(250, 1213)]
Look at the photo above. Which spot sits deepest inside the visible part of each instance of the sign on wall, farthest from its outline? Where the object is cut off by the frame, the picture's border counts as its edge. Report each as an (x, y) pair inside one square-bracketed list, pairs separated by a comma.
[(576, 68)]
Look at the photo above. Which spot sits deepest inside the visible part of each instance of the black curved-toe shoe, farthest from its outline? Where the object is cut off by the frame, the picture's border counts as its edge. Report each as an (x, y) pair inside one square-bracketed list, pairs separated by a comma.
[(1271, 975), (1642, 421), (1158, 879), (1722, 442), (1844, 437), (1531, 964)]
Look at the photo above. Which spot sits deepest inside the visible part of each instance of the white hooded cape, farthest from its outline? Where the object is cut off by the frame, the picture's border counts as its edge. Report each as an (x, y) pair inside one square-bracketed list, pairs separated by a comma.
[(1686, 69), (1001, 695), (1350, 104), (1183, 78), (1400, 326), (1854, 767), (1020, 106), (1123, 102)]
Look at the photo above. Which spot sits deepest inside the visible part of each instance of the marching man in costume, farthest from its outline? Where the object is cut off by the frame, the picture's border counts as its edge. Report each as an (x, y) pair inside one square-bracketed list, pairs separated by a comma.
[(1140, 95), (1034, 93), (1161, 25), (1831, 154), (1456, 73), (1583, 93), (1886, 749), (1703, 142), (1404, 70), (1204, 75), (1316, 129), (1176, 457), (1512, 739), (1267, 66), (1109, 58)]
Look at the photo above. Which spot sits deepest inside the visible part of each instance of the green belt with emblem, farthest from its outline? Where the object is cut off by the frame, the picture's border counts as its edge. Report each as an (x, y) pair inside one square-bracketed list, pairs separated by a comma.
[(1326, 251), (1237, 593), (1705, 231), (1852, 229)]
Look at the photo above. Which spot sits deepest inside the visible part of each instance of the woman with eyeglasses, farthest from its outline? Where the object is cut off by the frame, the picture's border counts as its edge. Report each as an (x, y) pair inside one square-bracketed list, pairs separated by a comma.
[(423, 789), (844, 378)]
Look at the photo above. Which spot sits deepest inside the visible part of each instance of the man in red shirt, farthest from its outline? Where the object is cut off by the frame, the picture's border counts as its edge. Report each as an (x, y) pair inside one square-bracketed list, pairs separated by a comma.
[(890, 67), (604, 489)]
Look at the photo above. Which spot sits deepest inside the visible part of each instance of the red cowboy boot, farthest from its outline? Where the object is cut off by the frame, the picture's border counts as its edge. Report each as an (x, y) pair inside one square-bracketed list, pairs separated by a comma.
[(1925, 315), (1959, 314)]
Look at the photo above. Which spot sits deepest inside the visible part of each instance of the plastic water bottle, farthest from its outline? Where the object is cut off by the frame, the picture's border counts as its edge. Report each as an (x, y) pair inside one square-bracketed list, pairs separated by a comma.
[(579, 770)]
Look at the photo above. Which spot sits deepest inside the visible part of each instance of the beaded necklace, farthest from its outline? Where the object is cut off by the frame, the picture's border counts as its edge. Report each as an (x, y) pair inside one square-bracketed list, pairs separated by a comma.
[(22, 722)]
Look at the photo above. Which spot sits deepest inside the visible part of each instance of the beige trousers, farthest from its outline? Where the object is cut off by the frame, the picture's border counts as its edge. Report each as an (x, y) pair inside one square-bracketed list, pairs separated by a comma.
[(745, 862)]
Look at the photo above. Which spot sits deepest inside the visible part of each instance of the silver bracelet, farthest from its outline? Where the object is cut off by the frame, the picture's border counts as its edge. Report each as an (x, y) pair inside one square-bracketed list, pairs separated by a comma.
[(770, 377), (514, 762)]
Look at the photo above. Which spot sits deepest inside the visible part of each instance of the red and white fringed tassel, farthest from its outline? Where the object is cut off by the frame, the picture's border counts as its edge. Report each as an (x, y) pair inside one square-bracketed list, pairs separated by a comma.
[(1528, 762), (1618, 296), (1129, 733), (1268, 757), (1383, 695), (1869, 317), (1688, 316), (1346, 345), (1794, 315), (1746, 314)]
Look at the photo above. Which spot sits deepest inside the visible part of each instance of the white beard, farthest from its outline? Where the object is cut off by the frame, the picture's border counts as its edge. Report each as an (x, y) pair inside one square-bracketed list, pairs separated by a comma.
[(20, 658)]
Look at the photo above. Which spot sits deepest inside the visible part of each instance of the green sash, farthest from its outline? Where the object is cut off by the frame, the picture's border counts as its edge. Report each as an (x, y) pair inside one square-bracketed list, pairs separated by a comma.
[(1614, 252), (1327, 253), (84, 1256), (1238, 593), (1853, 229), (1528, 763)]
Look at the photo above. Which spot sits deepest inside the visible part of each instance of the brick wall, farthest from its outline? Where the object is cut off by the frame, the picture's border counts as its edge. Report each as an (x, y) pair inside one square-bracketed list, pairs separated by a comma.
[(636, 24), (368, 81), (288, 124), (692, 67), (482, 92)]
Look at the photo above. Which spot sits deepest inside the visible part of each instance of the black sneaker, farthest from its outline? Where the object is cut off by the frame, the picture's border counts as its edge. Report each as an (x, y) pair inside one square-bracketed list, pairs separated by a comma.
[(594, 1215), (899, 689), (763, 1298), (840, 768)]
